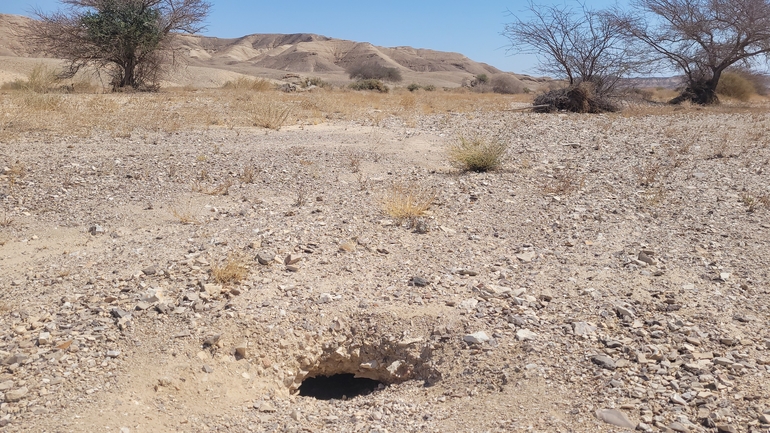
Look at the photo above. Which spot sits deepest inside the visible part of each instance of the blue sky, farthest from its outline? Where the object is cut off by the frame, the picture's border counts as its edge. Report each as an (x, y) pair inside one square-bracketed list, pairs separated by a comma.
[(458, 26)]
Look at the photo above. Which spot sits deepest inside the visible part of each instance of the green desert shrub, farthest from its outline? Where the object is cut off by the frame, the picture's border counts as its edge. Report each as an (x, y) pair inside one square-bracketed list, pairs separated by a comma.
[(370, 84), (374, 71)]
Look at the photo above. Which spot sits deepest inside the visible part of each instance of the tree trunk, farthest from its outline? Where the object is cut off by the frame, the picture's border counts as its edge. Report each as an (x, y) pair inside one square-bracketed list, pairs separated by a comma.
[(699, 92)]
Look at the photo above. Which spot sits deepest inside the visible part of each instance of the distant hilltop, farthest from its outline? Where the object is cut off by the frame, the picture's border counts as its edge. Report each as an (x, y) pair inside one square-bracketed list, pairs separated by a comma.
[(274, 55)]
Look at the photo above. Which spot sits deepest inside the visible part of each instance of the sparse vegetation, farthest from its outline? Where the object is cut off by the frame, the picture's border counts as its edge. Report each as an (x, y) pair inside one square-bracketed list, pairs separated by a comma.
[(374, 71), (370, 84), (735, 85), (246, 83), (315, 82), (564, 182), (405, 202), (753, 202), (578, 99), (185, 213), (478, 153), (232, 270), (270, 115)]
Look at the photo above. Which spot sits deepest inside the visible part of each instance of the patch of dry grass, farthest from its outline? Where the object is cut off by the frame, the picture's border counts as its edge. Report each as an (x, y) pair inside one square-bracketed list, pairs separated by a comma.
[(170, 110), (232, 270), (185, 213), (565, 182), (246, 83), (405, 202), (478, 154), (754, 202)]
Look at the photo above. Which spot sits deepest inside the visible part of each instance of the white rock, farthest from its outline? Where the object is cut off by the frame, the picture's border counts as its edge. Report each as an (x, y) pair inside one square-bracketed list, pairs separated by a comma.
[(476, 338), (525, 335)]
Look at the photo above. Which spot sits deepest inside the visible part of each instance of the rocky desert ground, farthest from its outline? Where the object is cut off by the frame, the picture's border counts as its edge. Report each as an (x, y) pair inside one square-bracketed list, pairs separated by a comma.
[(162, 275)]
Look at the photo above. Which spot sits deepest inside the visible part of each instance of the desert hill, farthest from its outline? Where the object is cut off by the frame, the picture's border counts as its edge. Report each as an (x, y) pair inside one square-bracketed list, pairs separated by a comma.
[(212, 61)]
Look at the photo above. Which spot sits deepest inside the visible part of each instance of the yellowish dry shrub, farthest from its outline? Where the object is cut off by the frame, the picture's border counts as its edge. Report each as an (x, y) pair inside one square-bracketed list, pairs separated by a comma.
[(232, 270), (407, 201)]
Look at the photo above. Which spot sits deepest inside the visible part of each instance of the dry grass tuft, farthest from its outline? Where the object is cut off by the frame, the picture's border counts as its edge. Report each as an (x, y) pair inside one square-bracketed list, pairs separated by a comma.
[(407, 202), (246, 83), (478, 154), (185, 213), (565, 182), (232, 270), (753, 202), (270, 115)]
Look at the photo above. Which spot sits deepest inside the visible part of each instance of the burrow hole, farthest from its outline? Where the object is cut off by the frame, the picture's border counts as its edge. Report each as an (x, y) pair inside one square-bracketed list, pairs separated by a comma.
[(338, 386)]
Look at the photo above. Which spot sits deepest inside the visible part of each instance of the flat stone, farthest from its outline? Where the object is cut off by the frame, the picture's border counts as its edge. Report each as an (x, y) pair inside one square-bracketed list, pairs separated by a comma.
[(468, 304), (525, 335), (526, 257), (16, 394), (727, 428), (207, 368), (476, 338), (604, 362), (723, 361), (113, 353), (615, 417), (292, 259), (265, 407), (644, 257), (583, 328), (265, 258), (5, 386), (419, 281), (678, 427), (677, 399), (151, 270)]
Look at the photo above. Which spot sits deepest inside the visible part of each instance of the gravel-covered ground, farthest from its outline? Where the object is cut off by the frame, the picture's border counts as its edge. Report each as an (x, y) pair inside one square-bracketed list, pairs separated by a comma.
[(614, 275)]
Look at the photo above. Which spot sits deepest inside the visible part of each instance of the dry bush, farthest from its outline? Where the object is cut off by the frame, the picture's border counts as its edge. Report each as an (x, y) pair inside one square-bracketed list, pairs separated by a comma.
[(506, 84), (735, 85), (221, 189), (270, 115), (374, 71), (565, 182), (647, 174), (232, 270), (407, 202), (246, 83), (369, 84), (185, 213), (576, 99), (478, 154), (42, 79), (248, 175), (753, 202)]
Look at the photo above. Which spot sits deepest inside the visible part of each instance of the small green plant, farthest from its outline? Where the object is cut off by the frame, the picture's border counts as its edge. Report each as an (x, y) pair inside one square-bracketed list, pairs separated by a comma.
[(407, 202), (429, 88), (370, 84), (478, 154), (482, 78), (413, 87)]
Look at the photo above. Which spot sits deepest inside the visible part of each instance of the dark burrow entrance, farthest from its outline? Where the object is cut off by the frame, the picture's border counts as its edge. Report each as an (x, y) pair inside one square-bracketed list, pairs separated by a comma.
[(337, 387)]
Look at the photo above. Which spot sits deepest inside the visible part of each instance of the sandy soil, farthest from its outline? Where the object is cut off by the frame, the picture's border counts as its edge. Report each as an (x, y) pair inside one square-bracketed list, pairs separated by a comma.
[(617, 268)]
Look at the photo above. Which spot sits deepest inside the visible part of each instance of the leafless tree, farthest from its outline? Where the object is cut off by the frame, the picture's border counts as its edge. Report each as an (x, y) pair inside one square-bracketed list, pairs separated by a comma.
[(702, 38), (129, 40), (574, 43)]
